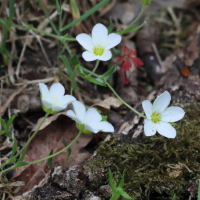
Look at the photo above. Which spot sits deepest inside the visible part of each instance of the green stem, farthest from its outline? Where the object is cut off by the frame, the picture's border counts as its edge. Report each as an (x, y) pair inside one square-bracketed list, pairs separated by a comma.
[(61, 38), (87, 71), (58, 151), (124, 101), (93, 71), (33, 135), (68, 49), (141, 12)]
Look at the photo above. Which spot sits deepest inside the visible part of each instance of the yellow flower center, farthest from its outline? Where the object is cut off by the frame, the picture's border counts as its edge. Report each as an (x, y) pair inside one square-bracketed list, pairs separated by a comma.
[(98, 51), (54, 100), (155, 117)]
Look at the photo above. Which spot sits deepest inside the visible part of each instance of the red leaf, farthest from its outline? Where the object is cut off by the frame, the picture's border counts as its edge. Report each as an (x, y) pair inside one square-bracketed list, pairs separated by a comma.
[(137, 62), (124, 78), (121, 58), (185, 71), (126, 50), (127, 64), (133, 53)]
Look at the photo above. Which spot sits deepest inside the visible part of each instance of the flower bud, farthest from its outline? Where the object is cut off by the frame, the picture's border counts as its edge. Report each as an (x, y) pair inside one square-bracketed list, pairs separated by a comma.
[(146, 2)]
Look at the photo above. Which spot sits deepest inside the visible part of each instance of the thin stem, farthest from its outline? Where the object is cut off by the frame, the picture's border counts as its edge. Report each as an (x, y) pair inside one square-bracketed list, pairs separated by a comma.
[(124, 101), (51, 35), (93, 71), (33, 134), (58, 151), (68, 49), (141, 12)]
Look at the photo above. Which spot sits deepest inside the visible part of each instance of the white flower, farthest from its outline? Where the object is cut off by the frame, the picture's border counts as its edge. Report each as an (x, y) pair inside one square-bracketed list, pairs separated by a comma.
[(90, 119), (97, 47), (159, 116), (53, 100)]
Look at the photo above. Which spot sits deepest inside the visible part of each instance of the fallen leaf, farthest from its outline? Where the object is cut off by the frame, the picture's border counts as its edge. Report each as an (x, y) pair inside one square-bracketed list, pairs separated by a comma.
[(50, 137), (107, 103)]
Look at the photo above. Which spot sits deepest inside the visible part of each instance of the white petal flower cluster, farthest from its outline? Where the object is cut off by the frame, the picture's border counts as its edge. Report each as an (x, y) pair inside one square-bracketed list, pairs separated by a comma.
[(97, 47), (159, 116), (89, 120), (54, 100)]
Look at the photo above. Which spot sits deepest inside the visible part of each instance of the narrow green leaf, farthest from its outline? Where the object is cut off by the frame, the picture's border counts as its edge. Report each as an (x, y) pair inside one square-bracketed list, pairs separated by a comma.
[(64, 142), (87, 14), (53, 26), (111, 179), (123, 193), (74, 59), (11, 120), (19, 164), (2, 21), (174, 197), (70, 72), (10, 160), (11, 12), (110, 28), (49, 161), (2, 131), (122, 180), (14, 148), (116, 51), (23, 155), (68, 155), (68, 150), (172, 123), (75, 10), (109, 72), (90, 79), (3, 123), (129, 29), (58, 6)]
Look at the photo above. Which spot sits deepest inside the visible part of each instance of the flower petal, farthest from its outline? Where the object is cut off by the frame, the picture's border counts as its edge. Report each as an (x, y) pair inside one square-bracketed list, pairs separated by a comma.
[(71, 114), (79, 109), (166, 129), (57, 90), (65, 100), (161, 102), (147, 106), (173, 114), (92, 115), (99, 35), (149, 127), (99, 126), (85, 41), (44, 90), (113, 40), (107, 55), (46, 103), (58, 108), (89, 56)]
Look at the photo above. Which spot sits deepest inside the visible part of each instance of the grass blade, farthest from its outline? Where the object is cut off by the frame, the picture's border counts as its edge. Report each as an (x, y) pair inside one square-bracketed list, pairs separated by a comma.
[(87, 14), (49, 161)]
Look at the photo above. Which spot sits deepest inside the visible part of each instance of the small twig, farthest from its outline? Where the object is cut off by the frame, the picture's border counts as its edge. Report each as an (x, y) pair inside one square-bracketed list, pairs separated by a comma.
[(158, 57), (21, 57), (45, 80)]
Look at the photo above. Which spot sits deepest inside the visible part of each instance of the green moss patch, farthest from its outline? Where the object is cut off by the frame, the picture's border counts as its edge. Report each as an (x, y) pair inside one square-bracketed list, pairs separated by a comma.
[(157, 165)]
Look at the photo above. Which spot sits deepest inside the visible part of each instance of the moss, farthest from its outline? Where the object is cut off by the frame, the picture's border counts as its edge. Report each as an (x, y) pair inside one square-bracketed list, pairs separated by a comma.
[(157, 165)]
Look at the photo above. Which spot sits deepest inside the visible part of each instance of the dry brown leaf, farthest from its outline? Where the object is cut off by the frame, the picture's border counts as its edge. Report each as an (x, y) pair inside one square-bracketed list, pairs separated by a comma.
[(50, 137), (107, 103)]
